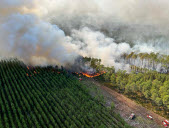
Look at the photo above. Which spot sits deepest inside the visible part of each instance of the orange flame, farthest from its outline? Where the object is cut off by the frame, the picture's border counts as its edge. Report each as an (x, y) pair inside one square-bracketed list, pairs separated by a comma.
[(93, 75), (27, 67), (76, 72)]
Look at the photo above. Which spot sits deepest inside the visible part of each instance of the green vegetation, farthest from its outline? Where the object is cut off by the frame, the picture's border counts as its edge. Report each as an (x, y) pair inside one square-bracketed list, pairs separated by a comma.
[(49, 98), (144, 85), (151, 87), (144, 62), (142, 120)]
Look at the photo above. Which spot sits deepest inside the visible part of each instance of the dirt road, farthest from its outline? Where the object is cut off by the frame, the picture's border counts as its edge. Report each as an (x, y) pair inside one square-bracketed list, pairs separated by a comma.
[(124, 106)]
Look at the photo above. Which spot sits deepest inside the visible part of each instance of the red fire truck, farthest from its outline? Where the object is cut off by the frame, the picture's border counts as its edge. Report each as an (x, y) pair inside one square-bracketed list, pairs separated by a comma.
[(150, 117), (167, 122), (80, 79), (164, 124)]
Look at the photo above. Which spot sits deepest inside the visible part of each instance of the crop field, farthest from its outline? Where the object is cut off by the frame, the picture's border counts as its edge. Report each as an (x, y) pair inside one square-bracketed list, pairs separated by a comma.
[(49, 98)]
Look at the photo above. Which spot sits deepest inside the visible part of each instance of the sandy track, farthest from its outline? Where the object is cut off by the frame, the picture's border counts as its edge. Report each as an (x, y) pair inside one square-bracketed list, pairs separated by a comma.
[(125, 107)]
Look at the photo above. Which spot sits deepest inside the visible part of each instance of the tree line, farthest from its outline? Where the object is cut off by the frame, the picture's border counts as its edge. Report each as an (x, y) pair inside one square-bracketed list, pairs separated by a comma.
[(147, 61), (149, 84)]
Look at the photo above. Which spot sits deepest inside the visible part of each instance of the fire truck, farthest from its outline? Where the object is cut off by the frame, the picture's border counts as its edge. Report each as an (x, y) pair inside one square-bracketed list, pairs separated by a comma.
[(132, 116), (80, 79), (164, 124), (167, 122), (150, 117)]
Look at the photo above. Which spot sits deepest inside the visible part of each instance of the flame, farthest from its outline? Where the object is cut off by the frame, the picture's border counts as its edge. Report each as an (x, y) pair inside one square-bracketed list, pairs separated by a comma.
[(77, 73), (90, 75), (93, 75), (27, 67)]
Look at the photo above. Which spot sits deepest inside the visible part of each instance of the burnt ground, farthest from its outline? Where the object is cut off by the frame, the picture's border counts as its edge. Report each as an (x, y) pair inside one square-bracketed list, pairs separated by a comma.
[(125, 106)]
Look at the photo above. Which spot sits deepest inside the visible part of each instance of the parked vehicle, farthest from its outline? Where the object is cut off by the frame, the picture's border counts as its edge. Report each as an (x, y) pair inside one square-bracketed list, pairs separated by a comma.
[(80, 79), (150, 117), (167, 122), (132, 116), (164, 124)]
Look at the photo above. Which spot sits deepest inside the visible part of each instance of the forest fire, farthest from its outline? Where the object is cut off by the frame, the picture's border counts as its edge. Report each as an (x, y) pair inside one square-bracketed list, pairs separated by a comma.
[(93, 74), (90, 75)]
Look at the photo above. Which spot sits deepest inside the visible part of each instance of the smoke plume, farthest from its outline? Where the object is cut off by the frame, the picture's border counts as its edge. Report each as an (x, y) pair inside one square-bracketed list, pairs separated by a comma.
[(42, 32)]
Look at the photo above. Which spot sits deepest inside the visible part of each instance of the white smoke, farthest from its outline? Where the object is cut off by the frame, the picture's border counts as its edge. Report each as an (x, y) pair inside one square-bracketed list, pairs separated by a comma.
[(33, 40), (95, 44), (136, 22), (42, 32)]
